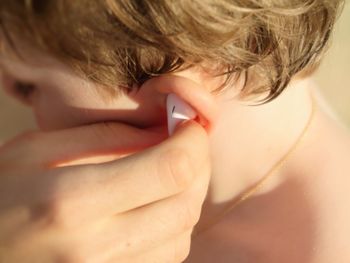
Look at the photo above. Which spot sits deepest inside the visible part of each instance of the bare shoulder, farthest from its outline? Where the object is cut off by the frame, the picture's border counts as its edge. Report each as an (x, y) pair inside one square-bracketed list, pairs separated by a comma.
[(330, 140), (330, 148), (335, 143)]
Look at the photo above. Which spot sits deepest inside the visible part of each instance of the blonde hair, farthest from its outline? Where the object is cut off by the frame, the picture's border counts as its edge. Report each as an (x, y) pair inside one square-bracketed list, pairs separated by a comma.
[(125, 42)]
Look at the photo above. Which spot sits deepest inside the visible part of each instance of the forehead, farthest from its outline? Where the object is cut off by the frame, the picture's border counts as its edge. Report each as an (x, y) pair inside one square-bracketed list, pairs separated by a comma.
[(29, 64), (22, 53)]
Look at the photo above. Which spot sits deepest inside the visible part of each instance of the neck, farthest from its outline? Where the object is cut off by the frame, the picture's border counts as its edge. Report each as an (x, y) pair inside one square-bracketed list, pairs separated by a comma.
[(249, 140)]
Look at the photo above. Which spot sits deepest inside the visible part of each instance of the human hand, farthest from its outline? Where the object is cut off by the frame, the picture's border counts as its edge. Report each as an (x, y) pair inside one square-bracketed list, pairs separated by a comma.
[(140, 208)]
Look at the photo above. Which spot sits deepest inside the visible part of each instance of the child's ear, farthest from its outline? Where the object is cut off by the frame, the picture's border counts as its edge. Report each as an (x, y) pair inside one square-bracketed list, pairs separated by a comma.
[(199, 98)]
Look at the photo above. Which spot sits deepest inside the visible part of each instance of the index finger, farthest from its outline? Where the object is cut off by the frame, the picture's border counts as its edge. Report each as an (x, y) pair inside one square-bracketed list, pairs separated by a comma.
[(110, 188)]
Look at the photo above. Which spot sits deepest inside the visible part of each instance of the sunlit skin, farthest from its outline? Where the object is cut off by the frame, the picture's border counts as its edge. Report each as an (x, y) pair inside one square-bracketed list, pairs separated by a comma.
[(300, 215)]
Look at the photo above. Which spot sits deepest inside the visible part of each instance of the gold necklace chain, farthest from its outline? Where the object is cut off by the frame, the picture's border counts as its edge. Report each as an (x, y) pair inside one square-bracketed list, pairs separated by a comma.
[(251, 190)]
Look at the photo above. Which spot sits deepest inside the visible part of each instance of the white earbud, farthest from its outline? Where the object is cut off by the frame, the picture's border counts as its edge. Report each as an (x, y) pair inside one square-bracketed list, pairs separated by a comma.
[(177, 111)]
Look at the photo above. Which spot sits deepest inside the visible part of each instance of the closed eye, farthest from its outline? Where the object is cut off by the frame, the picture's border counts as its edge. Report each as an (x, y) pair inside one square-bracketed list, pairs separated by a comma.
[(23, 89)]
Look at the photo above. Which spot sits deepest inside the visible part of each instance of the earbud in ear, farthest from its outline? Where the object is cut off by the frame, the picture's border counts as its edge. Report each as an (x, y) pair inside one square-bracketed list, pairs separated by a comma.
[(178, 111)]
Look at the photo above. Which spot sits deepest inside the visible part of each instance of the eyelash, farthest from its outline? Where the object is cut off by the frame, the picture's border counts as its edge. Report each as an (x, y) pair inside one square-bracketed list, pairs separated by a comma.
[(23, 89)]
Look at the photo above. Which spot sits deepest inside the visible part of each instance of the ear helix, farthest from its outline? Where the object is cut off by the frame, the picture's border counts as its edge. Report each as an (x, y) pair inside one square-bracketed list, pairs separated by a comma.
[(178, 111)]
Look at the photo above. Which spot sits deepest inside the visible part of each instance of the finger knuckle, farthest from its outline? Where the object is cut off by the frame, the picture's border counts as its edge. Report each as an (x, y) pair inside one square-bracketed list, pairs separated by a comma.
[(175, 164), (106, 130), (29, 139), (54, 213), (190, 216)]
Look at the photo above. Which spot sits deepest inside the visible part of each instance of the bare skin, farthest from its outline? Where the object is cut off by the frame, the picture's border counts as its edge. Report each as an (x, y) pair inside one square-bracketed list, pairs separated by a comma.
[(289, 220), (95, 212), (302, 214)]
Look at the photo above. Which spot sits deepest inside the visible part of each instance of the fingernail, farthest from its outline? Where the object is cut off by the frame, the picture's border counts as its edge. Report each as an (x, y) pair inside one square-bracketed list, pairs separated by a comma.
[(177, 112)]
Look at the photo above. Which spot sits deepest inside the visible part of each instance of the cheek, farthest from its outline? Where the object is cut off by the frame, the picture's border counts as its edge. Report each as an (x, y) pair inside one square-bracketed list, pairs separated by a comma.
[(61, 106), (52, 113), (65, 108)]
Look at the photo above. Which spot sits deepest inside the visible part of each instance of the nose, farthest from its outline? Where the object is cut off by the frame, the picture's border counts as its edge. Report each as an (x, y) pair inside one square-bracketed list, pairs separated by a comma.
[(21, 91)]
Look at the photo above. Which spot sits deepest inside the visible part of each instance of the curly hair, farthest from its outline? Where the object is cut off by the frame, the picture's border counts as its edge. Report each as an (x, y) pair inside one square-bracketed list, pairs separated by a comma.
[(125, 42)]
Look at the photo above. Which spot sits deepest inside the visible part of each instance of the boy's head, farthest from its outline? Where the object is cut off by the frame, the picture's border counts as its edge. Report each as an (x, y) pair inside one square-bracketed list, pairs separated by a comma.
[(119, 44)]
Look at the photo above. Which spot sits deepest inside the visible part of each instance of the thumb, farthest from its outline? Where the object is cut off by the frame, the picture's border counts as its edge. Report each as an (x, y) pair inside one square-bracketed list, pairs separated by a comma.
[(192, 139)]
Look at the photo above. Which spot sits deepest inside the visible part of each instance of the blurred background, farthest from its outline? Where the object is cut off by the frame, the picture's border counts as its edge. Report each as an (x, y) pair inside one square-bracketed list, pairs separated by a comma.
[(333, 77)]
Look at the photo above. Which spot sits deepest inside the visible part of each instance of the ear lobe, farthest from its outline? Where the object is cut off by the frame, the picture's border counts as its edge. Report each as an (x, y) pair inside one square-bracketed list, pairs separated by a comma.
[(199, 98)]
